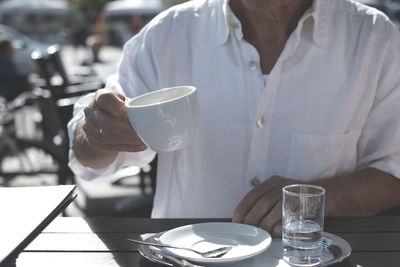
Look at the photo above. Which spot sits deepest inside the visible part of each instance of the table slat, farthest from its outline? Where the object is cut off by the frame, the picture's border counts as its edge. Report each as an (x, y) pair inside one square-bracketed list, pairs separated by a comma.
[(119, 225), (389, 242), (363, 224), (96, 259), (141, 225), (78, 259), (83, 242), (376, 259)]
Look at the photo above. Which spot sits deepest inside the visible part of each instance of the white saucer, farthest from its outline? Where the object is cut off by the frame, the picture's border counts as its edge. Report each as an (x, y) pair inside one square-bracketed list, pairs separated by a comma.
[(247, 241), (270, 258)]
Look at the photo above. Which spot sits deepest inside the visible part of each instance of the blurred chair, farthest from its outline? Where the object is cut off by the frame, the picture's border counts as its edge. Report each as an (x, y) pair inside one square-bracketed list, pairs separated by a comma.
[(81, 76), (65, 89), (58, 80), (45, 152)]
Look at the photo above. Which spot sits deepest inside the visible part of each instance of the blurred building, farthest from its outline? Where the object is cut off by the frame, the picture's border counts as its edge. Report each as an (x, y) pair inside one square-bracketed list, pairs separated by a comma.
[(42, 20), (122, 19)]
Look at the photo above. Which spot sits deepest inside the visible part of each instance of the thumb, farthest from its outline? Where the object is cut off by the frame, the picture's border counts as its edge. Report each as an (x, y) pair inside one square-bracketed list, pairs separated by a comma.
[(123, 113), (113, 103)]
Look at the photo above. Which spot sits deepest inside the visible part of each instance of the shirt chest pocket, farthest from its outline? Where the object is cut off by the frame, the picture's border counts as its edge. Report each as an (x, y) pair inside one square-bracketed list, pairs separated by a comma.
[(321, 156)]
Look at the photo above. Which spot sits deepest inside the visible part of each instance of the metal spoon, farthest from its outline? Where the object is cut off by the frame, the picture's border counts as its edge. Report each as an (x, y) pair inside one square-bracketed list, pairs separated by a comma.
[(214, 253), (171, 260), (334, 249)]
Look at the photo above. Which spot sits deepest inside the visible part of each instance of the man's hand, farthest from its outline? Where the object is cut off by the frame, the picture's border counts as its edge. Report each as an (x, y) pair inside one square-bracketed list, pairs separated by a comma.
[(262, 206), (105, 131), (362, 193), (107, 113)]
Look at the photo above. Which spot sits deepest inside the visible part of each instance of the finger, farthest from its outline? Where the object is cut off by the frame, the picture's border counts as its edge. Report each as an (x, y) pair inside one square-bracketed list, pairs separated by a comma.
[(263, 207), (111, 103), (117, 147), (107, 141), (254, 195), (106, 137), (98, 119), (278, 228), (273, 217), (97, 134), (268, 185)]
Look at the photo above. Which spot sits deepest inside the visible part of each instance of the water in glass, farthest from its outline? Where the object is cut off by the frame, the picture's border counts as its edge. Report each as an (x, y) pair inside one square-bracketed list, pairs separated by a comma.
[(302, 243)]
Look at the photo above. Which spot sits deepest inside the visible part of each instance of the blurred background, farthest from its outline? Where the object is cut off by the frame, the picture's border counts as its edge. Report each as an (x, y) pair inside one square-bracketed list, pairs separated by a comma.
[(53, 52)]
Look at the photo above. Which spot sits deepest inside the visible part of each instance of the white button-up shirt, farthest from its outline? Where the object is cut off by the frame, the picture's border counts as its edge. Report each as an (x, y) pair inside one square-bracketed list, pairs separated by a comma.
[(331, 105)]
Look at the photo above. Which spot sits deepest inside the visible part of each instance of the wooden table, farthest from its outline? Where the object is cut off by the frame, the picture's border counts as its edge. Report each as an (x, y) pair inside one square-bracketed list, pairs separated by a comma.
[(102, 241)]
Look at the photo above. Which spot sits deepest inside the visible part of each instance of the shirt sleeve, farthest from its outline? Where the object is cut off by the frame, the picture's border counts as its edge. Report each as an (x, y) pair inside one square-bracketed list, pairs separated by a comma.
[(136, 75), (379, 145)]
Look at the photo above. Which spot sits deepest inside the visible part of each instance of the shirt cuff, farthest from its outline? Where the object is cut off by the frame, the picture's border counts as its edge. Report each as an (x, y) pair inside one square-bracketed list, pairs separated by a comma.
[(123, 160)]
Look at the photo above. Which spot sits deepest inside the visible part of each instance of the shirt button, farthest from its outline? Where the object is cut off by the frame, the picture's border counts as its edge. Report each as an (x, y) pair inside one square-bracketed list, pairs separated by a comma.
[(231, 21), (261, 122), (253, 65), (255, 181), (234, 24)]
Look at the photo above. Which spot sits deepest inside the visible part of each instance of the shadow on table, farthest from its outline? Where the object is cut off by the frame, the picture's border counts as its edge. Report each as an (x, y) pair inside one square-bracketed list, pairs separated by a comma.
[(146, 263), (111, 236)]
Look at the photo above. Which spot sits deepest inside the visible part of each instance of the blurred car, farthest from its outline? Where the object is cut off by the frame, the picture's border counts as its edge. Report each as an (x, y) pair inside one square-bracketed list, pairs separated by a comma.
[(124, 18), (24, 46)]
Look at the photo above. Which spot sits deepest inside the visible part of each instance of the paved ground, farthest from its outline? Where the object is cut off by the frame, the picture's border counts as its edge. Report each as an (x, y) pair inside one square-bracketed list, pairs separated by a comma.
[(99, 197)]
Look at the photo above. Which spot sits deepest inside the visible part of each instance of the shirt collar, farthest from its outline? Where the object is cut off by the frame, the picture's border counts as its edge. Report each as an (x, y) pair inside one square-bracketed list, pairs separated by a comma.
[(223, 27), (318, 12), (227, 22)]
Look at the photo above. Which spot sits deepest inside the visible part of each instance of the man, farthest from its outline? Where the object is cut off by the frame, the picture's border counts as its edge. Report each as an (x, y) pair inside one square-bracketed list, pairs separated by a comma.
[(12, 81), (289, 91)]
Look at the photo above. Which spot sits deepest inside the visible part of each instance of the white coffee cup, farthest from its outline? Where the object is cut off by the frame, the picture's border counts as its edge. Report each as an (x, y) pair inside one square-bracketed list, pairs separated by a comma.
[(165, 119)]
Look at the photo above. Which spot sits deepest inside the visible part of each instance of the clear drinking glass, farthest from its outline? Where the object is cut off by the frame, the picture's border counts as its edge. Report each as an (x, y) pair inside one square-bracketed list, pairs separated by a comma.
[(302, 224)]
